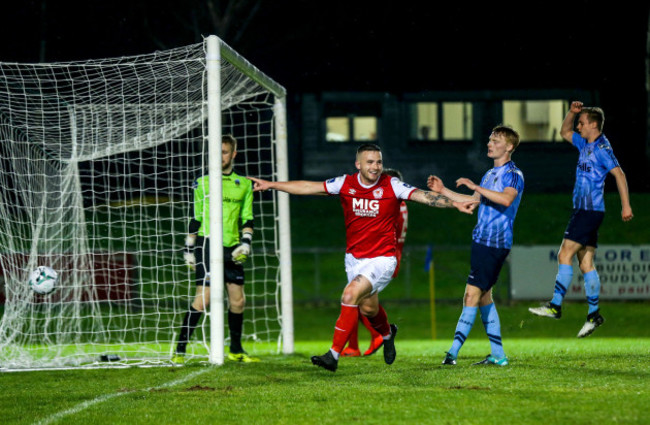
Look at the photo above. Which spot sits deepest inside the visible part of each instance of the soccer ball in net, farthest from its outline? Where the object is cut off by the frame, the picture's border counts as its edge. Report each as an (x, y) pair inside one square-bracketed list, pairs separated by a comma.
[(43, 280)]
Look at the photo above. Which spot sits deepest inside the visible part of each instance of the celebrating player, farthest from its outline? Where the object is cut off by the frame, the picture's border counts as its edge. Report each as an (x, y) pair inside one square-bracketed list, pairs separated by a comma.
[(581, 235), (237, 204), (376, 340), (500, 193), (370, 203)]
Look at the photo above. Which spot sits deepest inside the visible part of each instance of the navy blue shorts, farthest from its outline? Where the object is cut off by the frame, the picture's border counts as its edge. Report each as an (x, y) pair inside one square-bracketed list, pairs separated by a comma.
[(232, 273), (583, 227), (486, 263)]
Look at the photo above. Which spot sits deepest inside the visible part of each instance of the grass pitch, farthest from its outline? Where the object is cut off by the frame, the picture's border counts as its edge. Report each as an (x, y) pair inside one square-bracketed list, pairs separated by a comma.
[(597, 380), (553, 377)]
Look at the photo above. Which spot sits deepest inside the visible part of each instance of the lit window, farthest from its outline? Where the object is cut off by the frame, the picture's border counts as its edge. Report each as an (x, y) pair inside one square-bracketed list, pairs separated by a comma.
[(425, 121), (365, 129), (430, 121), (338, 129), (536, 120), (352, 121), (457, 121)]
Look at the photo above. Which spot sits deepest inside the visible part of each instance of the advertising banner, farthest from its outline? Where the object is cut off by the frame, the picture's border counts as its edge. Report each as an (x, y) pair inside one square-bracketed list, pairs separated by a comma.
[(624, 272)]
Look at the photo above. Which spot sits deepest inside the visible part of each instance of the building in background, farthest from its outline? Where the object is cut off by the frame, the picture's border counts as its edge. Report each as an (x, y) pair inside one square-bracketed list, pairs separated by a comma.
[(436, 132)]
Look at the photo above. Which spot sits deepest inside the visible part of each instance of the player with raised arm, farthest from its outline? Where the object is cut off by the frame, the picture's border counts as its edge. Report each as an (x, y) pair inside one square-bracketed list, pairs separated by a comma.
[(500, 193), (237, 208), (376, 340), (596, 160), (370, 203)]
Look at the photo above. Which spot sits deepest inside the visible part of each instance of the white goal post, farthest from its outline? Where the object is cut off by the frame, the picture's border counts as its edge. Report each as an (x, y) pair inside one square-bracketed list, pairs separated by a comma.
[(98, 160)]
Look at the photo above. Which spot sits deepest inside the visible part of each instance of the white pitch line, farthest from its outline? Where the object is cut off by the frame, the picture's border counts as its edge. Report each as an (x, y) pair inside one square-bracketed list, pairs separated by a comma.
[(86, 404)]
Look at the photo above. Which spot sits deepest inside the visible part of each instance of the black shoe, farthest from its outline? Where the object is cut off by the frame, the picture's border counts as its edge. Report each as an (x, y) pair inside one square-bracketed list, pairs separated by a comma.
[(326, 361), (389, 346), (449, 360)]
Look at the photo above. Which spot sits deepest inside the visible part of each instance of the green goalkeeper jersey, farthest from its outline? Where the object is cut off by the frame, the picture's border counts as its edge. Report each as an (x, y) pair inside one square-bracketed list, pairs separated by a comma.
[(237, 203)]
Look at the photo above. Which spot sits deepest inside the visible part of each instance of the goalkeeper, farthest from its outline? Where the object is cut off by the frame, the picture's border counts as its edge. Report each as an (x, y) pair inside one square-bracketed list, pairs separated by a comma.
[(237, 205)]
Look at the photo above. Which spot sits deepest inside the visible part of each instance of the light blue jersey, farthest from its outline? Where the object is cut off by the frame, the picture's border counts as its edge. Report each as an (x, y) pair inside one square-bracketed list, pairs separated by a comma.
[(495, 222), (595, 161)]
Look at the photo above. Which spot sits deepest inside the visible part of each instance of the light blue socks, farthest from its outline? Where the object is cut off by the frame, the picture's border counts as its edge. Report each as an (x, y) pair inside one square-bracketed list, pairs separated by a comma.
[(562, 282), (592, 290), (492, 325), (465, 323)]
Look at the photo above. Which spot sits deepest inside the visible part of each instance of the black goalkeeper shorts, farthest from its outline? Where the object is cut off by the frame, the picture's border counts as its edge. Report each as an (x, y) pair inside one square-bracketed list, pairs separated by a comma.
[(232, 273)]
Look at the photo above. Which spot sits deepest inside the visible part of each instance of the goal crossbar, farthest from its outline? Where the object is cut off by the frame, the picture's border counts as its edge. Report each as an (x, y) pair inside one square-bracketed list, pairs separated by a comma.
[(83, 147)]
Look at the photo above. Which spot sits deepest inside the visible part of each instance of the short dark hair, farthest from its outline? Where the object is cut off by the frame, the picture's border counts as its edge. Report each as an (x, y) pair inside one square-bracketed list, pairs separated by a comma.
[(368, 147), (393, 173), (509, 133), (595, 114)]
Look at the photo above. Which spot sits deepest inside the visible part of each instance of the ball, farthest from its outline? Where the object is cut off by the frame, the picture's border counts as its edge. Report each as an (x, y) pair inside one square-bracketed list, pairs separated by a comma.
[(43, 280)]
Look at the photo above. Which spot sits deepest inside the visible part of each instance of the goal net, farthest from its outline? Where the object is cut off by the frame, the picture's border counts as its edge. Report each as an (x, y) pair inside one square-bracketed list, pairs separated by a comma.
[(98, 160)]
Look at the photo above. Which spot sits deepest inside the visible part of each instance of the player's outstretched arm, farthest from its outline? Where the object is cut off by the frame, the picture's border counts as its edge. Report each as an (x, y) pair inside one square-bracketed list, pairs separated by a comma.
[(621, 184), (434, 199), (505, 198), (436, 185), (294, 187)]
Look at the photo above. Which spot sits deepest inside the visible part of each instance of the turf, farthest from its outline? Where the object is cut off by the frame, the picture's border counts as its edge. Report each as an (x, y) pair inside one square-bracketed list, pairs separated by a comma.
[(596, 380), (553, 377)]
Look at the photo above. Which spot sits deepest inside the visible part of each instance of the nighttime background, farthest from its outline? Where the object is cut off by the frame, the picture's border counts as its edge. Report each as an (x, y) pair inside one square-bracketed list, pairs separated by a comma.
[(312, 46)]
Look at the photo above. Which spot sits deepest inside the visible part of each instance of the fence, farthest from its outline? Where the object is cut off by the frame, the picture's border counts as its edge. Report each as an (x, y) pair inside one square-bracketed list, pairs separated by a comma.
[(319, 275)]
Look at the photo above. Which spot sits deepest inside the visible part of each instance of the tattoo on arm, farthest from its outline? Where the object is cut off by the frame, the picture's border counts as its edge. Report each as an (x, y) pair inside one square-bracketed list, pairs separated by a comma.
[(434, 199)]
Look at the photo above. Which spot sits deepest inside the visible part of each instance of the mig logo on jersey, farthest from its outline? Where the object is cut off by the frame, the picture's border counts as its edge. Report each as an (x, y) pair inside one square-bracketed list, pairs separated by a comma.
[(365, 207)]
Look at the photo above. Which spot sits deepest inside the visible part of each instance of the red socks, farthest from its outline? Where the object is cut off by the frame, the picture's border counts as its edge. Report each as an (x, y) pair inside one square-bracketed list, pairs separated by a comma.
[(380, 322), (348, 320), (368, 325), (353, 339)]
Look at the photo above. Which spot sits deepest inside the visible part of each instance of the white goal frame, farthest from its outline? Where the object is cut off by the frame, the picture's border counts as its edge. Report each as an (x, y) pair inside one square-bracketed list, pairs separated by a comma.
[(210, 119), (216, 49)]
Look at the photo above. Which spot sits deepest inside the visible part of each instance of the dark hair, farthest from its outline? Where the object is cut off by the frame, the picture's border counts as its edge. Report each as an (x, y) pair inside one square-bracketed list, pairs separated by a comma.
[(595, 114), (393, 173), (509, 133), (368, 147)]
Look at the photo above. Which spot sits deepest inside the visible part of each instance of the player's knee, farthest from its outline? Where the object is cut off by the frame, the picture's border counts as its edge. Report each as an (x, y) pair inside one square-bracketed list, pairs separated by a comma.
[(586, 266), (565, 257), (471, 299), (237, 305), (199, 305), (350, 297)]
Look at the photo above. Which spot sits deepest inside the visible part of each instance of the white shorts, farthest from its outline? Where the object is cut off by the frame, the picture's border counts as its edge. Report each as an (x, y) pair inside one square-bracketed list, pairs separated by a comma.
[(378, 270)]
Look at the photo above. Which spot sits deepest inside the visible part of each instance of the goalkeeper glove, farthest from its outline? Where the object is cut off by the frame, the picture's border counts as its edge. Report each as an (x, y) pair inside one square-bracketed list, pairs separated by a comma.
[(188, 254), (243, 250)]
